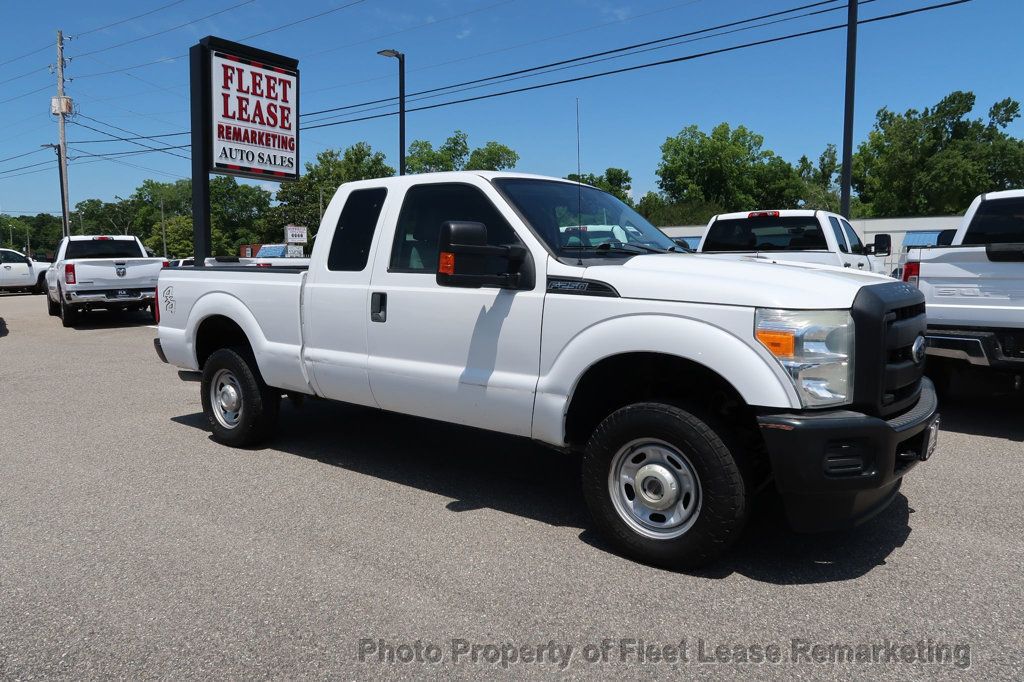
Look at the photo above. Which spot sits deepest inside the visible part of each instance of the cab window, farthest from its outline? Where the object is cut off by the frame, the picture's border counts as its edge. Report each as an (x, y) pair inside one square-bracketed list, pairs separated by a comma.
[(855, 244), (350, 246), (426, 208), (837, 230)]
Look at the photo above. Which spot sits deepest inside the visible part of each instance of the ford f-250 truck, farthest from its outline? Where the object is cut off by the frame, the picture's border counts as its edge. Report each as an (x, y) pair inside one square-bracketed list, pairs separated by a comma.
[(975, 288), (101, 271), (793, 235), (685, 382)]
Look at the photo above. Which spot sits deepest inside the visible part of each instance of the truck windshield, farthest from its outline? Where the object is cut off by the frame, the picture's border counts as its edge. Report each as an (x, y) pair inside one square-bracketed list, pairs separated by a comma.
[(573, 218), (790, 233), (997, 221), (103, 248)]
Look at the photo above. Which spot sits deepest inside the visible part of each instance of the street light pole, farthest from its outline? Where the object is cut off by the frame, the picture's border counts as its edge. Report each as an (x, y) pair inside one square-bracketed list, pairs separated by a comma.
[(401, 105), (846, 173)]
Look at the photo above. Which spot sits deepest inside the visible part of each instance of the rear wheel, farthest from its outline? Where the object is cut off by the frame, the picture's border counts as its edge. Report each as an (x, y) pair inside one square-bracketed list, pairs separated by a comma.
[(40, 287), (241, 409), (68, 314), (663, 486)]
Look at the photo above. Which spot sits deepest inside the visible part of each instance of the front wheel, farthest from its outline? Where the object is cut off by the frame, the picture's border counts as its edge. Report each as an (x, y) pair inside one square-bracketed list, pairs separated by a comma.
[(241, 408), (52, 307), (663, 486)]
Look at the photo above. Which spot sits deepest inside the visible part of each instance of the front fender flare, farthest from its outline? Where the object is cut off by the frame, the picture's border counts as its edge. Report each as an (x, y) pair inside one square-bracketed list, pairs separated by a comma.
[(754, 373)]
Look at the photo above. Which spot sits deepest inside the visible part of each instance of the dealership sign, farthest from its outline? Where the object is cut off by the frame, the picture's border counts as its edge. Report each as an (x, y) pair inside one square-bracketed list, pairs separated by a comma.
[(295, 234), (250, 101)]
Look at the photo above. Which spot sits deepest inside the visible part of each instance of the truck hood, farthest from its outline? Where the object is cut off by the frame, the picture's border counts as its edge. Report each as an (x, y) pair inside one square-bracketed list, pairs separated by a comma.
[(753, 282)]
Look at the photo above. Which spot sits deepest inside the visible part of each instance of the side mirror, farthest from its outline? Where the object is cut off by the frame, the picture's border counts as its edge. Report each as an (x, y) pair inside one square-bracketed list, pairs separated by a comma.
[(882, 245), (465, 259)]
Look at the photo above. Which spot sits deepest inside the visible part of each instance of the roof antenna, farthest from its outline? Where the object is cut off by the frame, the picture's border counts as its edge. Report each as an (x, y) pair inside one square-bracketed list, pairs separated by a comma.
[(579, 187)]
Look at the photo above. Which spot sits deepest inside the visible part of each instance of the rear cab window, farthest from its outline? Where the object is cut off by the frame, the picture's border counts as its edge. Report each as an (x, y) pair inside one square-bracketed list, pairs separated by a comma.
[(350, 246), (768, 233), (82, 249), (997, 221)]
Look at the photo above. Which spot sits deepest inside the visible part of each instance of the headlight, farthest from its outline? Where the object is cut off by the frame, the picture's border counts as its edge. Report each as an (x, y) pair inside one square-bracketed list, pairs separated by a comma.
[(816, 349)]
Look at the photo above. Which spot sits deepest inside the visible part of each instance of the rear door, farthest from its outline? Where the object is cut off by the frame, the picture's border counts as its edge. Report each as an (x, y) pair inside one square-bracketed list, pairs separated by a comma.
[(467, 356), (336, 297)]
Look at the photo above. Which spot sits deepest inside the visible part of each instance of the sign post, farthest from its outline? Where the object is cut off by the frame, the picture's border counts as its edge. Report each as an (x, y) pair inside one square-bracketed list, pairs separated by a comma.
[(245, 121)]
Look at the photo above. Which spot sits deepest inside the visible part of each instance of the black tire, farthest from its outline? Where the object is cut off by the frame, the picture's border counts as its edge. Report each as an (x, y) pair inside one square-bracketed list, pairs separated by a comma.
[(68, 314), (152, 313), (724, 497), (40, 287), (52, 307), (941, 371), (258, 403)]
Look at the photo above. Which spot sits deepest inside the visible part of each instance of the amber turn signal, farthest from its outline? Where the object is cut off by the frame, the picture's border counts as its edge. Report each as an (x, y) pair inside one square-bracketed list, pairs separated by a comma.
[(781, 344), (446, 264)]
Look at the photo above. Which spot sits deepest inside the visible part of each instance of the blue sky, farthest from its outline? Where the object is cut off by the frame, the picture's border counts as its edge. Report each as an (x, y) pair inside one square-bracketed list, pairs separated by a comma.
[(789, 92)]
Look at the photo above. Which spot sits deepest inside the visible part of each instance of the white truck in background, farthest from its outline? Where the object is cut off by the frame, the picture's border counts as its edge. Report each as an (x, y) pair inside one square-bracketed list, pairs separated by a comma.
[(974, 288), (792, 236), (100, 271), (19, 272), (477, 298)]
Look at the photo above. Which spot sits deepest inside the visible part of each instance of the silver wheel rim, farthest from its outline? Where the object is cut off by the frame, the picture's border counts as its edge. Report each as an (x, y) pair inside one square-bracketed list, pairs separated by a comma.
[(226, 398), (654, 489)]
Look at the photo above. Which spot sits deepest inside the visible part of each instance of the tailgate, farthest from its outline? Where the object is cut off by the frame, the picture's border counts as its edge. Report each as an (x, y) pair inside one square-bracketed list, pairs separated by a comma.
[(117, 273), (972, 286)]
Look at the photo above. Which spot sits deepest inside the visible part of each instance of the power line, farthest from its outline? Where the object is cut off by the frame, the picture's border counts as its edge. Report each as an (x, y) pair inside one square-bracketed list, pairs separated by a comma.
[(648, 65), (124, 21), (132, 152), (25, 75), (300, 21), (18, 156), (585, 57), (27, 54), (31, 165), (117, 137), (138, 137), (166, 30), (25, 94)]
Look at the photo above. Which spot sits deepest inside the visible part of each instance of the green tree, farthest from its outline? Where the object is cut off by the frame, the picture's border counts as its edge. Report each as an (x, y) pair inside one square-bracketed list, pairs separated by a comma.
[(662, 212), (935, 161), (615, 181), (728, 167), (300, 201), (454, 154), (493, 156), (180, 242), (821, 180)]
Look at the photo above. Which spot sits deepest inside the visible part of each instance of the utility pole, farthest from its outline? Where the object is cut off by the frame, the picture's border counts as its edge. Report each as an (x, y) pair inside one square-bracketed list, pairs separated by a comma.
[(321, 189), (395, 54), (163, 225), (62, 107), (851, 72)]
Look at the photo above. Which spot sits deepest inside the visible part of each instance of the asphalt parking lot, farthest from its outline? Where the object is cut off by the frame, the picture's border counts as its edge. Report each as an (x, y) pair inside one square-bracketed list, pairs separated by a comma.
[(132, 545)]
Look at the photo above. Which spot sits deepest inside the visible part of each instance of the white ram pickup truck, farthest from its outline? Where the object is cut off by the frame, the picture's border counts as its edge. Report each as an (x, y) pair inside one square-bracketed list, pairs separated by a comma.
[(975, 288), (686, 383), (100, 271), (798, 236)]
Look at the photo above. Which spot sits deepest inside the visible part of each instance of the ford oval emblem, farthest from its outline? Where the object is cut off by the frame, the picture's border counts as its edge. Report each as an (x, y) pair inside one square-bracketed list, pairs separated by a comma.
[(918, 349)]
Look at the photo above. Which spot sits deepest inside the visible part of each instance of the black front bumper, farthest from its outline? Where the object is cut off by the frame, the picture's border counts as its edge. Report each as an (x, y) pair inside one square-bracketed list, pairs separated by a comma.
[(839, 468)]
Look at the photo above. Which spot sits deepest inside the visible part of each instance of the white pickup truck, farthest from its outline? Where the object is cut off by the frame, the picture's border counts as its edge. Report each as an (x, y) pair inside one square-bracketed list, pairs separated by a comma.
[(975, 287), (100, 271), (799, 236), (18, 271), (686, 383)]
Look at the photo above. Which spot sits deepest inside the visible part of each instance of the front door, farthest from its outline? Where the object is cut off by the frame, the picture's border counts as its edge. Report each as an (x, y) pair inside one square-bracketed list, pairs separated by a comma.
[(15, 270), (859, 253), (468, 356)]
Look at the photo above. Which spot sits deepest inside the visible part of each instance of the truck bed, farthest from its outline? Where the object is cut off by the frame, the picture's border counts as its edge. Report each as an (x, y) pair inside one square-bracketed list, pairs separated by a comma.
[(266, 302)]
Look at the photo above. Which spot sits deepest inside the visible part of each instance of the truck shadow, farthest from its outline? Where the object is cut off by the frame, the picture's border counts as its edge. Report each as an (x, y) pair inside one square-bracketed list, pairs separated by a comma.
[(112, 319), (483, 470), (3, 328), (983, 404)]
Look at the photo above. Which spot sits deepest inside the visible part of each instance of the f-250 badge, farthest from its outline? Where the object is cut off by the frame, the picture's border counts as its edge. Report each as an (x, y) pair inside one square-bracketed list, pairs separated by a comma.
[(168, 298)]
